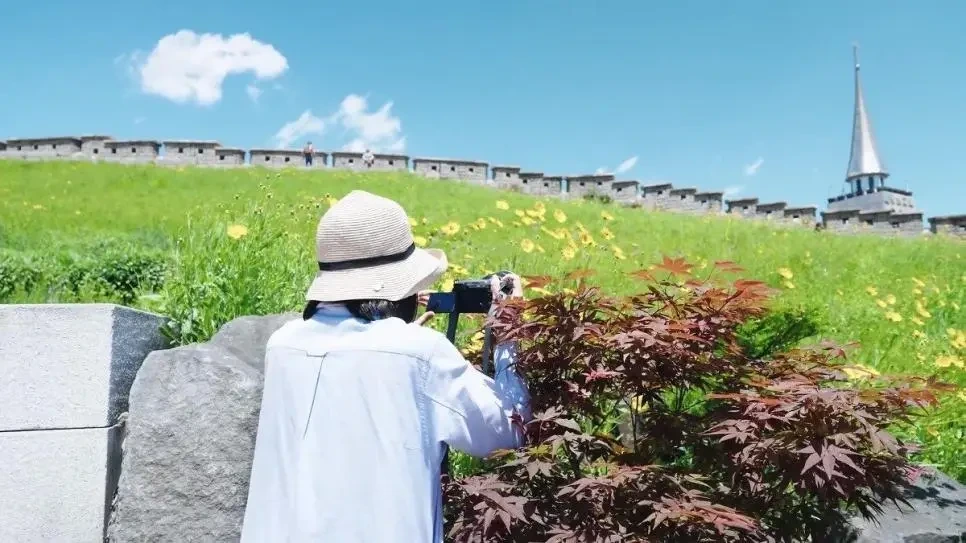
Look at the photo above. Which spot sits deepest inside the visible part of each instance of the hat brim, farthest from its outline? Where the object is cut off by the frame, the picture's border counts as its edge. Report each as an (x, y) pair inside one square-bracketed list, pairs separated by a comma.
[(393, 281)]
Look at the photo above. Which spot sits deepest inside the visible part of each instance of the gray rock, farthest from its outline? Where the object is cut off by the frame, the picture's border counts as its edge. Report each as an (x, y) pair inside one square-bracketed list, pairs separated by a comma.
[(190, 438), (938, 515), (245, 337)]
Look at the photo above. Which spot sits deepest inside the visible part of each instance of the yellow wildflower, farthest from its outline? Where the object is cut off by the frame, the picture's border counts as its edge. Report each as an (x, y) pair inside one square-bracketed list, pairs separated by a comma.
[(918, 334), (413, 222), (618, 252), (519, 212), (497, 222), (788, 284), (447, 283), (555, 234), (586, 238), (569, 291), (922, 310), (527, 221), (893, 316), (918, 283), (881, 303), (526, 245), (858, 372), (786, 273), (539, 206), (947, 360), (560, 216), (957, 339), (606, 216), (962, 395), (475, 343), (638, 405), (331, 201), (419, 240), (890, 299), (540, 290), (38, 206), (568, 253), (502, 204), (237, 231), (872, 291), (606, 233), (450, 228), (917, 292), (917, 320)]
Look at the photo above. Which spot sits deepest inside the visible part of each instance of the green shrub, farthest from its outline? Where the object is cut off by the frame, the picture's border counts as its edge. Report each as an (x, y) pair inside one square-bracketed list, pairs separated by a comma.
[(19, 273), (216, 278)]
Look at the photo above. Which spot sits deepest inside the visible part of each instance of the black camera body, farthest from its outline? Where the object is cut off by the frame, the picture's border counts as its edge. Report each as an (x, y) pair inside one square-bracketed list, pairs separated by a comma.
[(468, 296)]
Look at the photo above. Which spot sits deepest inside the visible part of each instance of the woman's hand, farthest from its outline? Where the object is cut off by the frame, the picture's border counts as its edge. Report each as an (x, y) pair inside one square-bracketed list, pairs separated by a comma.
[(422, 298)]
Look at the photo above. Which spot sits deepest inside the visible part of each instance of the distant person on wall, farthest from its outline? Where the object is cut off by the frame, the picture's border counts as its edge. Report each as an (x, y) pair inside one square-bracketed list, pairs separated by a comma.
[(368, 158), (308, 151), (360, 398)]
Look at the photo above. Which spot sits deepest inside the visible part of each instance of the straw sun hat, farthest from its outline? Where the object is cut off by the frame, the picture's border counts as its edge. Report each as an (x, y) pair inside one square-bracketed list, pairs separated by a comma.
[(365, 249)]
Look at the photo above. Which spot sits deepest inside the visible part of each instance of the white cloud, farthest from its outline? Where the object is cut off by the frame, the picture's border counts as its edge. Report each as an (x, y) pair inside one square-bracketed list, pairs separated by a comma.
[(626, 165), (185, 66), (752, 169), (253, 91), (731, 192), (306, 124), (379, 131)]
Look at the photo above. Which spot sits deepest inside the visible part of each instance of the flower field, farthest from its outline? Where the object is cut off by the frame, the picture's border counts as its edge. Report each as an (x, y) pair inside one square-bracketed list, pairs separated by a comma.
[(205, 246)]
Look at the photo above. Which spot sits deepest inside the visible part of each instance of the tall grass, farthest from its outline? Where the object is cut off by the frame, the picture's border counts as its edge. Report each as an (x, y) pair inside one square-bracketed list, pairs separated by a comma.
[(66, 229)]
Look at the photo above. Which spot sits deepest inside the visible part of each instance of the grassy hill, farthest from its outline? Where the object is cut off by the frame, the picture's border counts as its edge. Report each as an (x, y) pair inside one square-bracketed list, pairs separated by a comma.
[(204, 246)]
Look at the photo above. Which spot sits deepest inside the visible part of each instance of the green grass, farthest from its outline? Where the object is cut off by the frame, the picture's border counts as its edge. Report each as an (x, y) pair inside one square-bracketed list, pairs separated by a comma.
[(80, 232)]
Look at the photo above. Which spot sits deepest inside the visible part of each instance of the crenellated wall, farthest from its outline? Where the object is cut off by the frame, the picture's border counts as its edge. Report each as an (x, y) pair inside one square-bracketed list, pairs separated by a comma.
[(663, 197)]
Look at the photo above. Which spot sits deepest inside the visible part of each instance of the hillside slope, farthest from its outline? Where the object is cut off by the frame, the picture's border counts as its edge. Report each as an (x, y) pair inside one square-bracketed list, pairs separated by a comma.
[(900, 298)]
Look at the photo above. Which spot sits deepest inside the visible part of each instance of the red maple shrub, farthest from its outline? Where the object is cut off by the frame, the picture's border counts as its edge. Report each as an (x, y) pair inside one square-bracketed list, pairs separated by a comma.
[(652, 423)]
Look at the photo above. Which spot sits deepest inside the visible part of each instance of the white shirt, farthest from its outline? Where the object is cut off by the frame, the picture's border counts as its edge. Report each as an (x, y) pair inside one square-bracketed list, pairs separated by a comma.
[(353, 420)]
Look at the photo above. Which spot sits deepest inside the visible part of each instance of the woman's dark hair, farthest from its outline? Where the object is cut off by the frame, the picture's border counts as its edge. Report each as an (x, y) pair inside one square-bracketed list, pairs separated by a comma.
[(373, 310)]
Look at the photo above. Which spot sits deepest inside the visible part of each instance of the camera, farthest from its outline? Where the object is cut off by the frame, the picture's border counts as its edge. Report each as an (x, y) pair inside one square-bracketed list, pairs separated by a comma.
[(468, 296)]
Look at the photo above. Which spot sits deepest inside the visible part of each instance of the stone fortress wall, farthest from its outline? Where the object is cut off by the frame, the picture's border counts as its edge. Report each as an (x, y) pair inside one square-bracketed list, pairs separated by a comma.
[(664, 196)]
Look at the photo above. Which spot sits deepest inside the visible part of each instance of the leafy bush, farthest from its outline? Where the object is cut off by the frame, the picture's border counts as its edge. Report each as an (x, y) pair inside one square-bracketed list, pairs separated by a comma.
[(653, 423), (18, 273), (222, 271), (777, 331)]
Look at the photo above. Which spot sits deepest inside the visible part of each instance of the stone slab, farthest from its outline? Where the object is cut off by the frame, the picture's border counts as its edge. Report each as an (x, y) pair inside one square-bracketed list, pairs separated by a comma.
[(71, 365), (56, 485)]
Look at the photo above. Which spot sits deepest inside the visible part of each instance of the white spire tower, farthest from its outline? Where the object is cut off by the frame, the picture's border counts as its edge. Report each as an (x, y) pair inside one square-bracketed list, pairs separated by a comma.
[(866, 175), (864, 158)]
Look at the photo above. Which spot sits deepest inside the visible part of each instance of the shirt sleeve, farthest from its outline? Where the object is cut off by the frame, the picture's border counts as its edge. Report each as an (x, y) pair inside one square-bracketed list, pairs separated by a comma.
[(471, 411)]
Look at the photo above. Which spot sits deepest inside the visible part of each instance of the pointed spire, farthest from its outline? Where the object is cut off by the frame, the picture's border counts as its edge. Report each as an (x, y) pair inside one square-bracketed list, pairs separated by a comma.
[(864, 157)]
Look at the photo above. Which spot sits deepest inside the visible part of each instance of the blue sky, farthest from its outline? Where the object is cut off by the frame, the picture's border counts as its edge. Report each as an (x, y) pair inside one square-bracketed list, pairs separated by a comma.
[(749, 96)]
